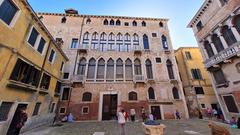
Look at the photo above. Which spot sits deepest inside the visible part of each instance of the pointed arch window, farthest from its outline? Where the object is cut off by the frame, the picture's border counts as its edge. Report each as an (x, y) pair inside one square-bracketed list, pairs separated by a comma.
[(175, 93), (145, 42), (81, 67), (161, 24), (228, 35), (151, 93), (135, 41), (128, 70), (170, 69), (149, 69), (103, 42), (91, 68), (119, 69), (236, 22), (119, 43), (127, 42), (217, 42), (87, 97), (88, 21), (144, 24), (85, 41), (111, 42), (134, 23), (118, 23), (111, 22), (164, 42), (137, 67), (101, 69), (105, 22), (132, 96), (64, 20), (110, 70), (208, 48), (94, 40)]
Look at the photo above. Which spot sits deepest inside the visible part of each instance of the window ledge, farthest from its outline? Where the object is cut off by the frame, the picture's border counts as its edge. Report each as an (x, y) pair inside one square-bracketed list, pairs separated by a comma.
[(21, 86), (225, 84), (43, 91), (57, 94)]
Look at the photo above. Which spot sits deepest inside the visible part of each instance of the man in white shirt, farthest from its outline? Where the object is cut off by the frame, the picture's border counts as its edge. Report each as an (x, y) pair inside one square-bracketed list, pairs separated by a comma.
[(132, 113), (122, 121)]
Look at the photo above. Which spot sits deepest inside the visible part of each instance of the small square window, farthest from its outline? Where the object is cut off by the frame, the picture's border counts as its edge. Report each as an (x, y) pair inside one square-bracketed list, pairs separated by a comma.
[(188, 55), (85, 110), (126, 24), (199, 25), (154, 34), (62, 110), (203, 106), (74, 43), (158, 60), (66, 76)]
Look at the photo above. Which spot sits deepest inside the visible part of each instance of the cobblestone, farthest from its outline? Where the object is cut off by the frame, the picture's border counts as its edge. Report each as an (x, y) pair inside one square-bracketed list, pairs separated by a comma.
[(174, 127)]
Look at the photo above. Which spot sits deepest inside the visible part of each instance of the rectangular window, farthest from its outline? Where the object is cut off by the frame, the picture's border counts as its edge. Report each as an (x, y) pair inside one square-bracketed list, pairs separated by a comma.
[(126, 24), (36, 109), (65, 94), (203, 106), (41, 45), (33, 37), (85, 110), (65, 75), (7, 11), (62, 110), (188, 55), (231, 104), (196, 74), (62, 67), (74, 43), (45, 81), (58, 87), (4, 110), (25, 73), (199, 25), (219, 76), (199, 90), (51, 56), (154, 34), (158, 60)]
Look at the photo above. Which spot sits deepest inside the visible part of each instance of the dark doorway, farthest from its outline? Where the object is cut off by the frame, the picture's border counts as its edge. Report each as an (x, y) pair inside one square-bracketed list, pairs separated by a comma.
[(16, 117), (155, 110), (214, 106), (109, 108)]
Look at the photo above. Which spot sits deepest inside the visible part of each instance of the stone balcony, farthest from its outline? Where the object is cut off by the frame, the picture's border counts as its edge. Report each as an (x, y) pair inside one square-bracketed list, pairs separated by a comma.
[(83, 48), (224, 55), (139, 79), (78, 79)]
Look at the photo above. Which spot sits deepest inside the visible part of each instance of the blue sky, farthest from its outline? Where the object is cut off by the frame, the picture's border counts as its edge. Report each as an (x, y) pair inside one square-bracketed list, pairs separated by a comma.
[(180, 12)]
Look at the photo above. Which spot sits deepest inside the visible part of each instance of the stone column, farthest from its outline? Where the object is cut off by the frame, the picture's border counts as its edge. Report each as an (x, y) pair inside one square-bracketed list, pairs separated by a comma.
[(114, 76), (212, 45), (224, 43), (105, 71), (124, 77)]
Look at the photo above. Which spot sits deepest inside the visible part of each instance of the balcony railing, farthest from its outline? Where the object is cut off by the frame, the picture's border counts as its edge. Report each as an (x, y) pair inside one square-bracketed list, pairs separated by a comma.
[(78, 79), (223, 55), (139, 79), (137, 49), (83, 47)]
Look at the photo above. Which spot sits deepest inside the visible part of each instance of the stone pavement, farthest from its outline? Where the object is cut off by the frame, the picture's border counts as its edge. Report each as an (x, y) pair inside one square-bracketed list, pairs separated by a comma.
[(174, 127)]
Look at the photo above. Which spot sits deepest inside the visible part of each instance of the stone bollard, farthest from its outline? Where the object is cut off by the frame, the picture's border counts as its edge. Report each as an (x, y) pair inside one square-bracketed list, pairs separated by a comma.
[(218, 130), (153, 129)]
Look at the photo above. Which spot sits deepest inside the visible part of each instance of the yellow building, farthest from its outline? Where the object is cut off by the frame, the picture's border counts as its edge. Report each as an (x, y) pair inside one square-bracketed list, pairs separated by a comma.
[(196, 82), (31, 65)]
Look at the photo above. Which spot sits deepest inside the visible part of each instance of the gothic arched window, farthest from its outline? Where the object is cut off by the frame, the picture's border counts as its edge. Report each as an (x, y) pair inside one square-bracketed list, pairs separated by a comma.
[(151, 94), (111, 41), (137, 67), (127, 42), (94, 40), (87, 96), (149, 69), (128, 70), (236, 22), (101, 69), (134, 23), (119, 69), (164, 42), (103, 42), (81, 67), (132, 96), (105, 22), (175, 93), (228, 35), (217, 42), (170, 69), (110, 69), (91, 68), (145, 42)]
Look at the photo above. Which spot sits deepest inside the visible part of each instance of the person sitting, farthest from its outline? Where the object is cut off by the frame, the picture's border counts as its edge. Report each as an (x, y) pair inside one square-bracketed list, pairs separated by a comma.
[(150, 116), (64, 119), (70, 118), (233, 122)]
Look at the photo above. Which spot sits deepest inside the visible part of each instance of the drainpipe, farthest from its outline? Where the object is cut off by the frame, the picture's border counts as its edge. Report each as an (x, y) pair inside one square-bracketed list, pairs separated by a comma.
[(80, 36)]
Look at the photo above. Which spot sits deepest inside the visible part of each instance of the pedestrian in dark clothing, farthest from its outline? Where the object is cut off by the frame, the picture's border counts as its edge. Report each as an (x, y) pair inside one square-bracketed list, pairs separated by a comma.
[(178, 115), (18, 121), (238, 122)]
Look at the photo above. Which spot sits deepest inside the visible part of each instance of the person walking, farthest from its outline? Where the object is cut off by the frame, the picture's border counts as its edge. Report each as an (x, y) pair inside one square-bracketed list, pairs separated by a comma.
[(19, 121), (178, 115), (121, 122), (132, 114), (143, 114)]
